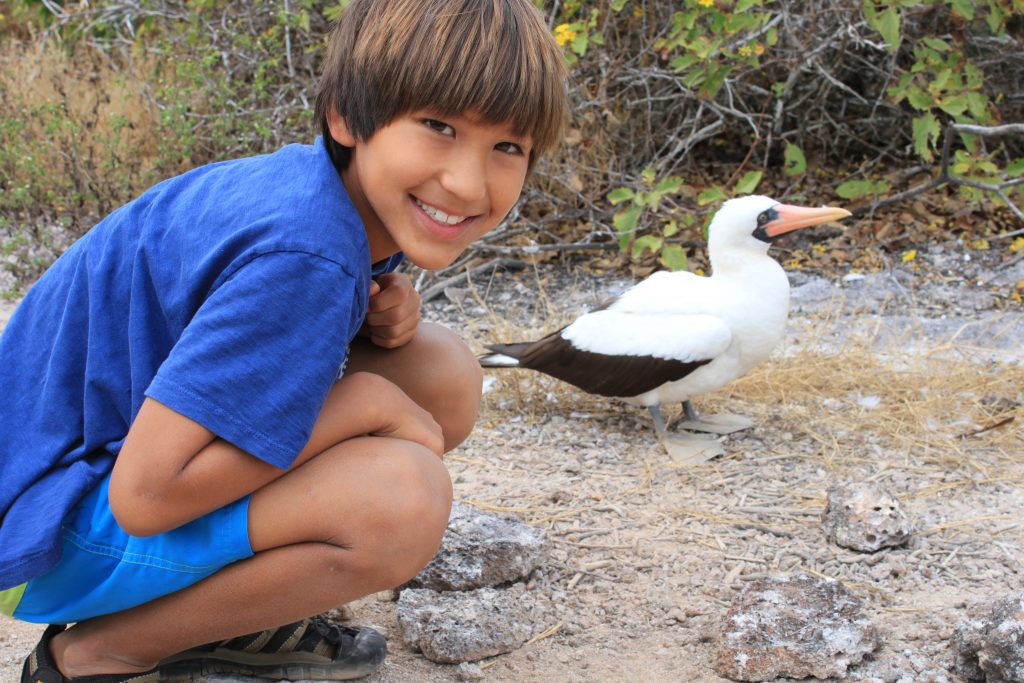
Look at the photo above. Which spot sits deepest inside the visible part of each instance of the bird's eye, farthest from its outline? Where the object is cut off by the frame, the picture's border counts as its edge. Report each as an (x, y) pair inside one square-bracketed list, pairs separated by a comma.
[(763, 218)]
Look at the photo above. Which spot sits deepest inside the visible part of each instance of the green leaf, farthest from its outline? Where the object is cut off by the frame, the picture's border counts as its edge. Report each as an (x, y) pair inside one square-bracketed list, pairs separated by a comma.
[(617, 5), (941, 80), (624, 239), (795, 161), (935, 44), (579, 44), (626, 220), (954, 106), (712, 194), (889, 27), (996, 18), (926, 132), (669, 185), (620, 194), (854, 189), (648, 175), (1015, 168), (673, 257), (960, 168), (670, 228), (977, 105), (918, 98), (748, 183), (646, 243), (965, 8)]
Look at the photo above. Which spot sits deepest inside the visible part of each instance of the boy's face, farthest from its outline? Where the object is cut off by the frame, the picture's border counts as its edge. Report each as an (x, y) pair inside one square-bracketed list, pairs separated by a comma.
[(429, 186)]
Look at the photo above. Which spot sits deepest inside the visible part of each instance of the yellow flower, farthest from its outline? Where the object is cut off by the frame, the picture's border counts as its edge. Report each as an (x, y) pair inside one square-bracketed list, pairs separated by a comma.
[(909, 255), (706, 3), (1017, 245), (980, 245), (745, 51), (564, 34)]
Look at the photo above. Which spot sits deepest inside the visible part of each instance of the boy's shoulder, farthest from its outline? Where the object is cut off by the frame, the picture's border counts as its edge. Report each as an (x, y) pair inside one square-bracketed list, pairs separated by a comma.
[(289, 200)]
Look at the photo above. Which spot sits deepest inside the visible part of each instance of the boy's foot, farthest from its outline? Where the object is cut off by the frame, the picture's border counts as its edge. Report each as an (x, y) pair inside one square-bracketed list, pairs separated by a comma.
[(309, 649)]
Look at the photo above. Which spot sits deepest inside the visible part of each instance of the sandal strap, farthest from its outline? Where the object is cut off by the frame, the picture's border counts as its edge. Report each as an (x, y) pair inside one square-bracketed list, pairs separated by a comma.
[(315, 635)]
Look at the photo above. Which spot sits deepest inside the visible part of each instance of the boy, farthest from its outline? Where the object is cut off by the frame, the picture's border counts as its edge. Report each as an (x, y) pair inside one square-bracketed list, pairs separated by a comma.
[(195, 445)]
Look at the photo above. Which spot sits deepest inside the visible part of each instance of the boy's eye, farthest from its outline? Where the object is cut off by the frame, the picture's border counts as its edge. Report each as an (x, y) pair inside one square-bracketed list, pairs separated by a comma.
[(509, 148), (439, 126)]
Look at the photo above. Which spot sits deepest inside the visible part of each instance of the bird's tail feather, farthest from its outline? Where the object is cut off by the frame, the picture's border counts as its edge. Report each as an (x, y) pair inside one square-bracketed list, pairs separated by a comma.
[(498, 360), (503, 356)]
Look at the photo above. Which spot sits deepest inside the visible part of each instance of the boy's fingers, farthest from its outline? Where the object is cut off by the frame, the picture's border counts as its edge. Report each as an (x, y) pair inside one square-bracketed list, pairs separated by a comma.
[(393, 337), (419, 426), (400, 319), (394, 290)]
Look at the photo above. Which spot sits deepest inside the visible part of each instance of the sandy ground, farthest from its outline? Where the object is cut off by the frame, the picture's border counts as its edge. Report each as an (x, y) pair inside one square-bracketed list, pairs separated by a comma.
[(911, 379)]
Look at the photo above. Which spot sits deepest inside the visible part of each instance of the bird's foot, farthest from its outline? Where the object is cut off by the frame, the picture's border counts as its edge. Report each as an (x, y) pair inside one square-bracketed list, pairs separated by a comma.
[(689, 449), (716, 424)]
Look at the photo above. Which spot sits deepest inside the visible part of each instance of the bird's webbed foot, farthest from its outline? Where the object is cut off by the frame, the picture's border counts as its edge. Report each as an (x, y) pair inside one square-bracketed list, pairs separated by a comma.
[(724, 423), (684, 449)]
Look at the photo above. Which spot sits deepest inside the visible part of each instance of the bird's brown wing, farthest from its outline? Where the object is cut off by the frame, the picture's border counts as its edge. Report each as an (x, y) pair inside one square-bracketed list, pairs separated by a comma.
[(596, 373)]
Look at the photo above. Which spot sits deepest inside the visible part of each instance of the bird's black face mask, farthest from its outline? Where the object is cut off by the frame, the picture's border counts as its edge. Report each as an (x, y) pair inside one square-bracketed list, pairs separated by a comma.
[(763, 219)]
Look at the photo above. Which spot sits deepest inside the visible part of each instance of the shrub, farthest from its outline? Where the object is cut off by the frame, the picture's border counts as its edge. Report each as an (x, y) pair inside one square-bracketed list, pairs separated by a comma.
[(676, 103)]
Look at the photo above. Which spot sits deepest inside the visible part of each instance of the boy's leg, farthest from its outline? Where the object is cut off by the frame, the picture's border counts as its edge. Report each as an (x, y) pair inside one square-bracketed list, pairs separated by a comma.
[(363, 516), (437, 370)]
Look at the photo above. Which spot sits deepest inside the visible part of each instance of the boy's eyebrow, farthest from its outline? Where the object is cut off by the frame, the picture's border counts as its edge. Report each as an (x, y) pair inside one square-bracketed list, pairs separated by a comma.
[(523, 139)]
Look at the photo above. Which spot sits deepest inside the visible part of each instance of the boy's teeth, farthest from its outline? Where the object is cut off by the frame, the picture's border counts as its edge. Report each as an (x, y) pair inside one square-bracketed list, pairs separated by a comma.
[(440, 216)]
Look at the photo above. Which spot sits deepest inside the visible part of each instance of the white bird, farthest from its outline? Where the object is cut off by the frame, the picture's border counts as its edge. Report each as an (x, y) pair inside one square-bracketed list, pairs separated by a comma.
[(677, 335)]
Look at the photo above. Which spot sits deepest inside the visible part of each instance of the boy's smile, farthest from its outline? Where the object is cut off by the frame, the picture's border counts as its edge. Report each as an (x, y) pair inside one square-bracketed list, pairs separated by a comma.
[(429, 186)]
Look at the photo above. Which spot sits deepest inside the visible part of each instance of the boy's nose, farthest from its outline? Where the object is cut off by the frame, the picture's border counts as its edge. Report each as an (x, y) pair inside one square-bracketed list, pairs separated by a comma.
[(465, 177)]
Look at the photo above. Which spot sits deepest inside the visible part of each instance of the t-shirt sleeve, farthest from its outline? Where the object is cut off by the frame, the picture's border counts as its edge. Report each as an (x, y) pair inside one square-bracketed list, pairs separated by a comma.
[(255, 363)]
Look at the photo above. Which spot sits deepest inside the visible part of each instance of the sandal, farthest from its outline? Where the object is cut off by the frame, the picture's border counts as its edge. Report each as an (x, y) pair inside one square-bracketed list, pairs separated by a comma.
[(313, 648), (40, 667)]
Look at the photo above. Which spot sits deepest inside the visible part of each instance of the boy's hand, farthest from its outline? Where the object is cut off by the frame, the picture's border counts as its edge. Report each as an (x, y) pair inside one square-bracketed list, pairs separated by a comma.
[(380, 408), (402, 418), (394, 311)]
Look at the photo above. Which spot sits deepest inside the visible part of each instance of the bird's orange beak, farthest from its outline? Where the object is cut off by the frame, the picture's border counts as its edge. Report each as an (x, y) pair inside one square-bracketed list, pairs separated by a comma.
[(796, 217)]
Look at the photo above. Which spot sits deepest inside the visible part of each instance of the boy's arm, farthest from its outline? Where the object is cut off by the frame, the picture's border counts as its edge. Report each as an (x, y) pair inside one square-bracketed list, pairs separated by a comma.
[(172, 470)]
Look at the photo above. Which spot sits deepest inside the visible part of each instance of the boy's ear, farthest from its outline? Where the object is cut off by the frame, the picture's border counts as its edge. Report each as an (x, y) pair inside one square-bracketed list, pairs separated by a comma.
[(339, 129)]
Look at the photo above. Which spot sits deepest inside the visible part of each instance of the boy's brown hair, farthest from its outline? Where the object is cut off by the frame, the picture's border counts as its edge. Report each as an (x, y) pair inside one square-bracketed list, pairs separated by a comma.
[(495, 58)]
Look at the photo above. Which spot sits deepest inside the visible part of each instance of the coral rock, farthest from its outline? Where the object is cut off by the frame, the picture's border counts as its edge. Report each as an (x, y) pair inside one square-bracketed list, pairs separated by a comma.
[(865, 518), (481, 550), (991, 647), (465, 626), (793, 627)]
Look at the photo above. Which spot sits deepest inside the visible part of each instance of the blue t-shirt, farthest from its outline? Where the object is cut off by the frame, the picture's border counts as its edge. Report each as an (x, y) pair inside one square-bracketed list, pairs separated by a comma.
[(229, 294)]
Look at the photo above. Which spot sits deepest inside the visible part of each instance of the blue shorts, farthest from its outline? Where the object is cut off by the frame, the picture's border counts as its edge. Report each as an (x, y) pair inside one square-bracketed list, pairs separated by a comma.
[(103, 569)]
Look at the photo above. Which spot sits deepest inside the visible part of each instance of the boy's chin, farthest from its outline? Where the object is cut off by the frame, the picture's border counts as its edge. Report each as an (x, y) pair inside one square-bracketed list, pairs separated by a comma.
[(431, 261)]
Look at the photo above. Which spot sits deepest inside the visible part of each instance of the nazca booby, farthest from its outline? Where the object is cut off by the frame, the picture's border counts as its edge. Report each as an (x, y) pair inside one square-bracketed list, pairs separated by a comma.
[(677, 335)]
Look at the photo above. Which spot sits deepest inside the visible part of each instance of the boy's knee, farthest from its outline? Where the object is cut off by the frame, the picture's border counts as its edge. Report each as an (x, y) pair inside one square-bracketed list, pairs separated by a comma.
[(410, 518)]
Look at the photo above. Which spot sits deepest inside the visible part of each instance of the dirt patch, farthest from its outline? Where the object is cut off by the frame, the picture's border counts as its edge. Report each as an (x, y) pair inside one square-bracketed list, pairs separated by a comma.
[(887, 379)]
